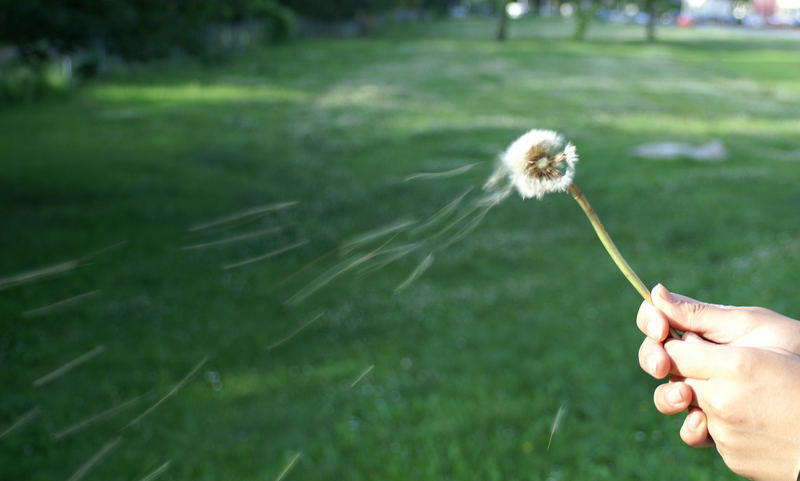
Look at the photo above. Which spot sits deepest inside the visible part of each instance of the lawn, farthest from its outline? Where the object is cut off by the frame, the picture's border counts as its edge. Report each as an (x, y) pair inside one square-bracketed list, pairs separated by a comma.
[(460, 372)]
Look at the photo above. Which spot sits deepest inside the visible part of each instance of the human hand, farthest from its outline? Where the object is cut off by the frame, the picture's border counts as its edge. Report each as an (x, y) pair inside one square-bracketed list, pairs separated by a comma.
[(748, 404), (737, 326)]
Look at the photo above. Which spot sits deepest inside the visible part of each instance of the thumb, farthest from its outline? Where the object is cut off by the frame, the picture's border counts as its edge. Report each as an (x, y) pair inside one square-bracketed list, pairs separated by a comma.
[(713, 322)]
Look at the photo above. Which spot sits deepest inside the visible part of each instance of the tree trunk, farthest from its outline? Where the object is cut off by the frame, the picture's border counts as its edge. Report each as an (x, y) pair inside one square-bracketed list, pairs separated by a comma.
[(583, 13), (502, 25), (537, 7), (650, 28)]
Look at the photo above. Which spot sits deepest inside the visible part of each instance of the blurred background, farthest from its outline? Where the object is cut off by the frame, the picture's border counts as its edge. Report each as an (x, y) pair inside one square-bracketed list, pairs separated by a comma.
[(247, 239)]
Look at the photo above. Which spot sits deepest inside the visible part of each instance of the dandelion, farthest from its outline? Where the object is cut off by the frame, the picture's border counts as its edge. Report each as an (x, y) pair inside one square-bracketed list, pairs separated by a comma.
[(539, 163)]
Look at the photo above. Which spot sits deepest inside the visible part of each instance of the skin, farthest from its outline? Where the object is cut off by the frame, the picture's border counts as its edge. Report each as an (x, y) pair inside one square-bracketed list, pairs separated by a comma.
[(737, 372)]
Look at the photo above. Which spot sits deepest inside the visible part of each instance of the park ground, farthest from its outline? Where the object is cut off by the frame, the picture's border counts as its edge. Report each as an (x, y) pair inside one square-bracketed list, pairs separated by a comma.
[(460, 374)]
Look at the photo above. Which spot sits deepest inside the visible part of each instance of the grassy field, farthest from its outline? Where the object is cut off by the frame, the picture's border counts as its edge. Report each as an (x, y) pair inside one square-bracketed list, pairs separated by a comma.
[(464, 369)]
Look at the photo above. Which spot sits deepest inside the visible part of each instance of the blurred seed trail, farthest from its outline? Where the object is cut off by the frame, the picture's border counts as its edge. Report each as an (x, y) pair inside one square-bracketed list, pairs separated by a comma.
[(99, 455), (441, 213), (420, 269), (390, 255), (264, 256), (97, 417), (455, 222), (441, 175), (471, 225), (71, 301), (36, 274), (64, 368), (232, 239), (331, 274), (362, 376), (295, 332), (157, 472), (299, 271), (556, 425), (51, 270), (171, 392), (368, 236), (288, 467), (243, 214), (22, 421)]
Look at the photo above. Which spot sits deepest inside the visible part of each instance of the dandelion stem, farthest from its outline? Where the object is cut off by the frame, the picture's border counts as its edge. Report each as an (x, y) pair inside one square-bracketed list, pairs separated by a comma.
[(620, 261)]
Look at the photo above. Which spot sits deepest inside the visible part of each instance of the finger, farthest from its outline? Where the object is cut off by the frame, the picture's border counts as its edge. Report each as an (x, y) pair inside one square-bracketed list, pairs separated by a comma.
[(712, 321), (652, 322), (673, 397), (653, 358), (696, 359), (676, 378), (694, 431)]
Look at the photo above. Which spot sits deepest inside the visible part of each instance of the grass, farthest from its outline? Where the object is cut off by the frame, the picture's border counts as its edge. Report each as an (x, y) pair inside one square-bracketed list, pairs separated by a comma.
[(473, 360)]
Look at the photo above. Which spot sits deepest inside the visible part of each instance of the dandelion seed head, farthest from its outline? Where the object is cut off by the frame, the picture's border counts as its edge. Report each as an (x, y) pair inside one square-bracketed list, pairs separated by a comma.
[(539, 162)]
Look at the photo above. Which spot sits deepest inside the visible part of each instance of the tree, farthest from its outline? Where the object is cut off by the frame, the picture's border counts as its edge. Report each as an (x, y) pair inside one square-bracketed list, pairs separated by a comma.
[(502, 25), (584, 11)]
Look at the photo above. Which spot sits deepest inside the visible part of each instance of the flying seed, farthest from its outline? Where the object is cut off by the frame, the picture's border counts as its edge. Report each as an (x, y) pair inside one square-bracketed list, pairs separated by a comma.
[(420, 269), (264, 256), (372, 235), (441, 213), (157, 472), (99, 455), (288, 467), (22, 421), (295, 332), (441, 175), (71, 301), (389, 256), (68, 366), (333, 273), (169, 394), (361, 376), (556, 424), (97, 417), (232, 239), (243, 214)]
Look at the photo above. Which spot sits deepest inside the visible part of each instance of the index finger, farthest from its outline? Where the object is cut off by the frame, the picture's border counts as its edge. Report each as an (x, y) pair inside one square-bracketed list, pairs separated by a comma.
[(652, 322)]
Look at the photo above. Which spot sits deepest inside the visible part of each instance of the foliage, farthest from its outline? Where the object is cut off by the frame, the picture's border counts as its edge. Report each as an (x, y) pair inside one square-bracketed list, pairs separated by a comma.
[(472, 362)]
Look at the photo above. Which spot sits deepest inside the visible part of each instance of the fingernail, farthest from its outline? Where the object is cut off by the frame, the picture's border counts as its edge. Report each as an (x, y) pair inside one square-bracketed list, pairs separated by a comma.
[(654, 329), (695, 420), (652, 365), (664, 294), (675, 396)]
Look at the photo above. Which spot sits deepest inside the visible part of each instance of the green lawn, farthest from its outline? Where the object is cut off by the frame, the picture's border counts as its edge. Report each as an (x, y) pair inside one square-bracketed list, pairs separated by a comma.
[(473, 360)]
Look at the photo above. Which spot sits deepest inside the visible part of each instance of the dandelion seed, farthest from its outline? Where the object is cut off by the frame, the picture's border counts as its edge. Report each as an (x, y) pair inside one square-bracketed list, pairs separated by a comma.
[(471, 225), (372, 235), (71, 301), (362, 376), (333, 273), (22, 421), (539, 163), (556, 424), (36, 274), (99, 455), (63, 369), (420, 269), (97, 417), (264, 256), (288, 467), (157, 472), (441, 213), (251, 212), (389, 256), (302, 269), (232, 239), (440, 175), (295, 332), (169, 394)]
